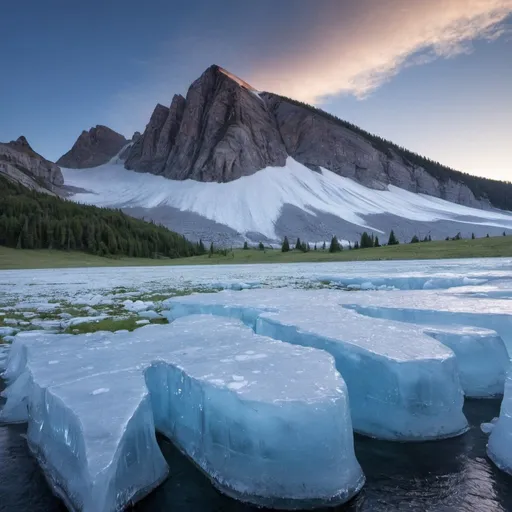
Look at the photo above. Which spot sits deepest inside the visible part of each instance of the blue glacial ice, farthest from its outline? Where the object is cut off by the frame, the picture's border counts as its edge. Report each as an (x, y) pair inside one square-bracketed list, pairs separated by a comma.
[(499, 447), (418, 281), (268, 422), (446, 308), (481, 355), (403, 384)]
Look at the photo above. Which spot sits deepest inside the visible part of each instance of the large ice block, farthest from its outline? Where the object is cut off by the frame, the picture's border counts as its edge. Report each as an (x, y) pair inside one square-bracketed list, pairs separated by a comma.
[(403, 384), (436, 308), (499, 447), (268, 422), (481, 355)]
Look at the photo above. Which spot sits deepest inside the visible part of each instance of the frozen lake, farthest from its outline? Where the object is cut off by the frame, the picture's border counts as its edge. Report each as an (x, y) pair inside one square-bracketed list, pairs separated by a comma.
[(402, 334)]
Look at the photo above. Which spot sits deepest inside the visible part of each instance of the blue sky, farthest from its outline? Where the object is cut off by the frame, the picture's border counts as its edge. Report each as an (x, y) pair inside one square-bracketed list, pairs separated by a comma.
[(432, 76)]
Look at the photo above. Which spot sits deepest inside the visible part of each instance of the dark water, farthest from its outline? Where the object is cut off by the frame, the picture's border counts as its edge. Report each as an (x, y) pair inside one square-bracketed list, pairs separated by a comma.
[(452, 475)]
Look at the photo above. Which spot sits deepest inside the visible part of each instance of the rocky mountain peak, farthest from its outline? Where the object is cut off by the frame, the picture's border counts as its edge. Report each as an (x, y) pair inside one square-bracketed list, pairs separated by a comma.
[(21, 141), (21, 164), (92, 148), (238, 80), (221, 131), (225, 129)]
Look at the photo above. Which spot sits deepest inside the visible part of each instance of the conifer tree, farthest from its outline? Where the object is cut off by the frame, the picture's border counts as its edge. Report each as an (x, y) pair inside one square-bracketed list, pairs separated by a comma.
[(366, 241), (261, 247), (32, 220), (392, 239), (376, 243), (323, 247), (356, 245), (298, 245), (246, 246), (415, 240), (335, 245), (472, 236), (286, 245)]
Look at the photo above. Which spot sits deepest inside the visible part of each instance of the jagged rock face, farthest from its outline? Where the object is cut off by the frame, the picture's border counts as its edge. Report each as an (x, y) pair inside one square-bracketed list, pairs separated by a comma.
[(150, 151), (221, 132), (224, 130), (93, 148), (20, 163), (316, 141)]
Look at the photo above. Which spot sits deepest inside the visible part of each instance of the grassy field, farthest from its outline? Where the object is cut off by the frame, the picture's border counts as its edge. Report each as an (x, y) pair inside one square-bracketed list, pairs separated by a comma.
[(479, 248)]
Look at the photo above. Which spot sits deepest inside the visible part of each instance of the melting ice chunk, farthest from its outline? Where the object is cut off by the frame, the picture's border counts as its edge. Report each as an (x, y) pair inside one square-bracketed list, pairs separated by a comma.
[(272, 438), (403, 384), (437, 308), (481, 356), (499, 447)]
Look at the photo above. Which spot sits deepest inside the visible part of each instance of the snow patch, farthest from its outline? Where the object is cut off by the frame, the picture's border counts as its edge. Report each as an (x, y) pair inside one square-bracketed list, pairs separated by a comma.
[(238, 204)]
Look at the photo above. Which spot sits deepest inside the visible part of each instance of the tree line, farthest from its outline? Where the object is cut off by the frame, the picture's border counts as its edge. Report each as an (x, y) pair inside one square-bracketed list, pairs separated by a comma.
[(366, 241), (33, 220), (499, 193)]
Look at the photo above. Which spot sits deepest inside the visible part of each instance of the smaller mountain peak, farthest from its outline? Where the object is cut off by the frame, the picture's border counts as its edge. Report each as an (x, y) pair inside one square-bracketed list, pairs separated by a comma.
[(21, 144), (21, 140), (92, 148)]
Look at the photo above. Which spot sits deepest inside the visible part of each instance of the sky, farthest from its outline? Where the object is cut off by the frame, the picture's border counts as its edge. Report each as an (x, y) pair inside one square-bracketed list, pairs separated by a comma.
[(434, 76)]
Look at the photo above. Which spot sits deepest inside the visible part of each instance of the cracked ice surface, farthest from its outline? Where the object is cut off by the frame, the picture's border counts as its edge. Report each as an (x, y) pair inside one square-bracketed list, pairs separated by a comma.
[(267, 421), (94, 286), (403, 384), (469, 320)]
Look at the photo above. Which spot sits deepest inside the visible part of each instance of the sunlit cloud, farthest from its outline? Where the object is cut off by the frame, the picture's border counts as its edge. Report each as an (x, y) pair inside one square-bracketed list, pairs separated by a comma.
[(375, 41)]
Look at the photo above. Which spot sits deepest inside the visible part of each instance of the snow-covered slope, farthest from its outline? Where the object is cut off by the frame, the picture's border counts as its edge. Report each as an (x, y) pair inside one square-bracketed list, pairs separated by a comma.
[(257, 203)]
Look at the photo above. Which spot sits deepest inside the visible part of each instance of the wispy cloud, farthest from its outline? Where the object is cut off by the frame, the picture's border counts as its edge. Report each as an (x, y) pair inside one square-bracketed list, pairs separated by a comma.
[(310, 50), (373, 42)]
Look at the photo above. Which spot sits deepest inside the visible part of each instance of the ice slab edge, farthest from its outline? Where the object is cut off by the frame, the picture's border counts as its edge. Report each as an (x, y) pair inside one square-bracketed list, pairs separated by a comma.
[(268, 422), (499, 448), (482, 355), (398, 390)]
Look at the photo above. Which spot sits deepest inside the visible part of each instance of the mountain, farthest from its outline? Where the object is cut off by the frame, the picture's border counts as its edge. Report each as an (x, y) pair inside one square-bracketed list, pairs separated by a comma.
[(93, 148), (317, 138), (222, 130), (19, 163), (33, 216), (228, 163)]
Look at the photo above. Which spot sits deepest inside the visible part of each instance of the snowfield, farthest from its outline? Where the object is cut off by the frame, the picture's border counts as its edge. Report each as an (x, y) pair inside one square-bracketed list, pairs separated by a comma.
[(260, 377), (239, 205)]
